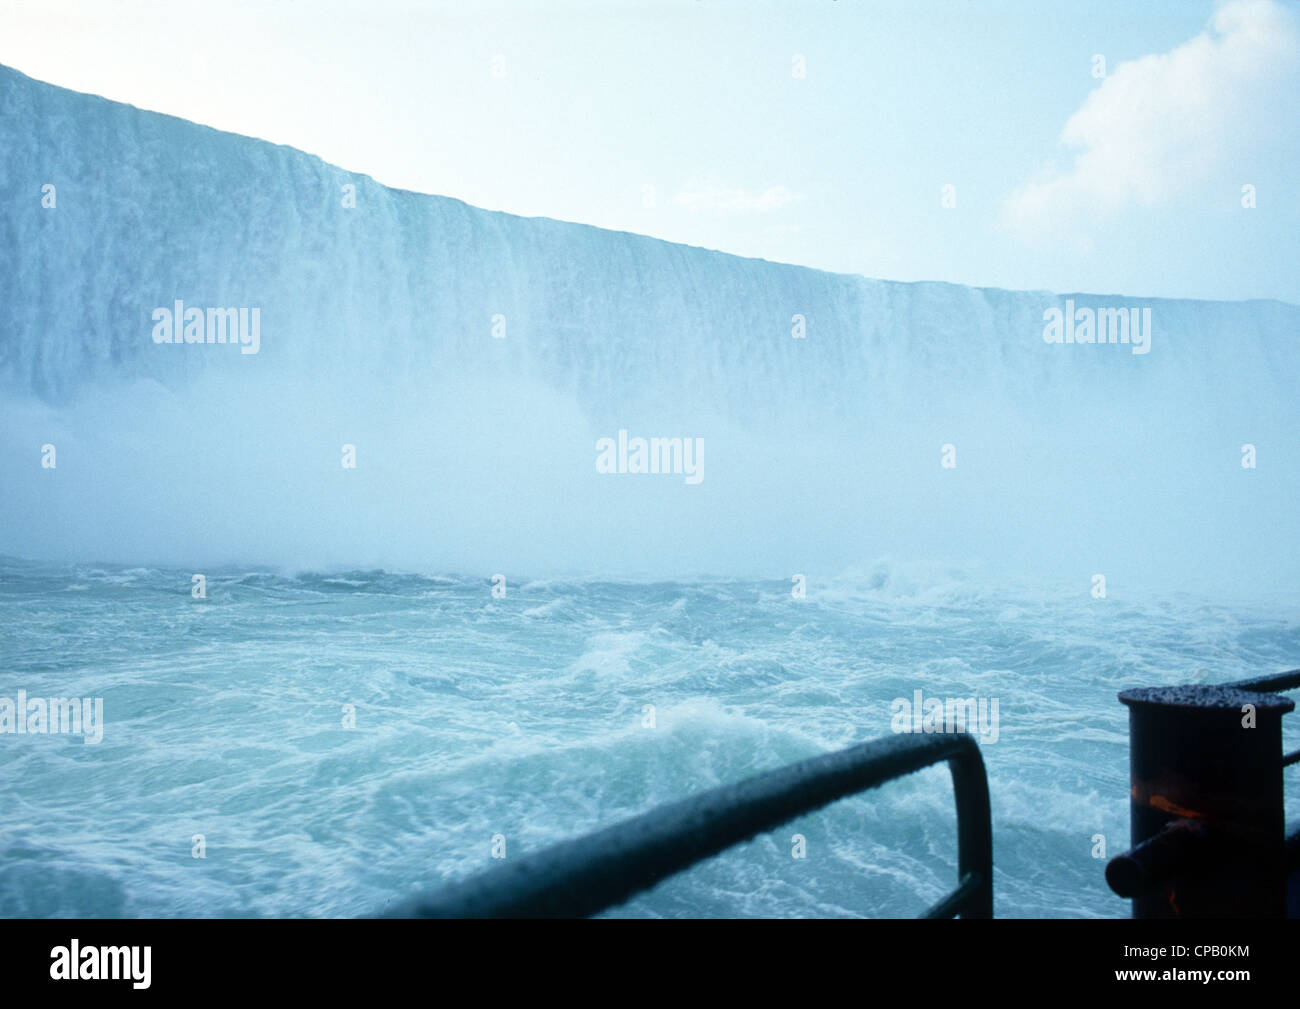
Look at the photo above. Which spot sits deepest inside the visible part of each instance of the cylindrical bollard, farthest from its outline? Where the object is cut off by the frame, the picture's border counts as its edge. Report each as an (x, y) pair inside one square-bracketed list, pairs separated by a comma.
[(1211, 756)]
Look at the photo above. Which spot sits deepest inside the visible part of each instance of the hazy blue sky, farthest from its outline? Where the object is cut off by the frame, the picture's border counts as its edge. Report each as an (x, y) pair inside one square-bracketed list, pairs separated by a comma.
[(1128, 183)]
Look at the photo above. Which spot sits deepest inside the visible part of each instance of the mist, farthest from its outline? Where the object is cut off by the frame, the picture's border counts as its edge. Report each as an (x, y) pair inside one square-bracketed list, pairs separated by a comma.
[(467, 363)]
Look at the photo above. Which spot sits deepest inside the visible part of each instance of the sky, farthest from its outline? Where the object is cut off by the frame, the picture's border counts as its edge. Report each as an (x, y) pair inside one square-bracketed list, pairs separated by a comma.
[(1104, 147)]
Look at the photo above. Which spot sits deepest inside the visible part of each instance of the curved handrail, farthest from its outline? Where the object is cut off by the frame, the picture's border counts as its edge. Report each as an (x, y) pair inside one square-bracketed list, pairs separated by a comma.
[(584, 876)]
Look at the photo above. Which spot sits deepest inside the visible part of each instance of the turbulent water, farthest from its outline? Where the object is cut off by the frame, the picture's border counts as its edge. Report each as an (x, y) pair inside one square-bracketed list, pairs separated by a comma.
[(468, 363), (525, 716)]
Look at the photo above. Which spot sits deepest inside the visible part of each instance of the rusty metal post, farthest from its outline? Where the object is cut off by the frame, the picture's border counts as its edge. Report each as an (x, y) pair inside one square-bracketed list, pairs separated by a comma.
[(1206, 804)]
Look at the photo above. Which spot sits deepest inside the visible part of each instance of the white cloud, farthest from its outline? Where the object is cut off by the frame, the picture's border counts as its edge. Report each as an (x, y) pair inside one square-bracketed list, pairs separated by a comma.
[(1162, 124), (711, 197)]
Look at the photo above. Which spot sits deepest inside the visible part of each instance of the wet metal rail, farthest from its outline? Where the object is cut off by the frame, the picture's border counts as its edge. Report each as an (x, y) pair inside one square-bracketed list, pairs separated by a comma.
[(1270, 684), (587, 875)]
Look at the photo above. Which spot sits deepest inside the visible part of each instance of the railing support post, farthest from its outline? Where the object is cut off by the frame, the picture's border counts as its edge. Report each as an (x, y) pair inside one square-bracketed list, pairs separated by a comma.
[(1209, 756), (974, 829)]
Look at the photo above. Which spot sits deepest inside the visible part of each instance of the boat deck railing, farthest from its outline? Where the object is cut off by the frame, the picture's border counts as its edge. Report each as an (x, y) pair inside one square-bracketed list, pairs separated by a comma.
[(585, 876), (1208, 829)]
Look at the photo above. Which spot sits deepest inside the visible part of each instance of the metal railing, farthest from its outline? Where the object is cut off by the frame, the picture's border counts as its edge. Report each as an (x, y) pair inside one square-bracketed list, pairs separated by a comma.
[(587, 875)]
